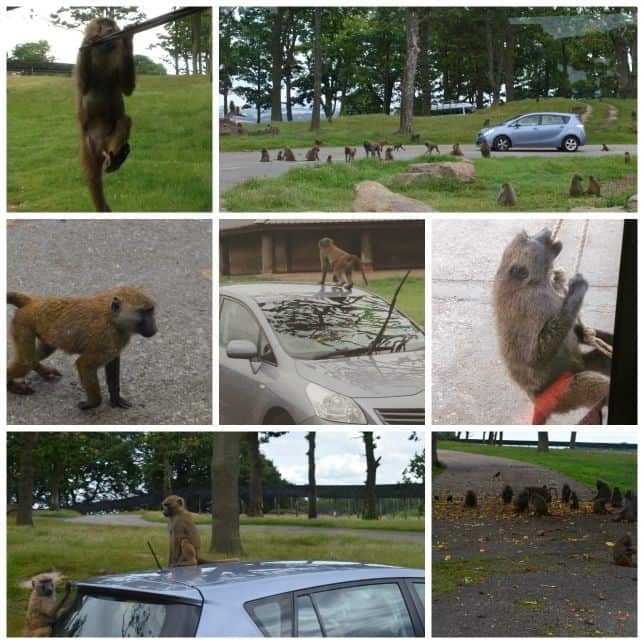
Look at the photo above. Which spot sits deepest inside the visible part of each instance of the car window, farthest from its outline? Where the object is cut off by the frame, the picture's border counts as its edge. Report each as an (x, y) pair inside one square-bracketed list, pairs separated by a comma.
[(533, 119), (236, 322), (266, 351), (554, 119), (419, 587), (375, 610), (307, 621), (273, 615)]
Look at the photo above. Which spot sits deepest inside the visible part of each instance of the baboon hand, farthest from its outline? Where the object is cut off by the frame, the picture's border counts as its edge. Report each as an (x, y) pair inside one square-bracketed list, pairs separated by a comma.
[(117, 401), (20, 388), (577, 285), (85, 405)]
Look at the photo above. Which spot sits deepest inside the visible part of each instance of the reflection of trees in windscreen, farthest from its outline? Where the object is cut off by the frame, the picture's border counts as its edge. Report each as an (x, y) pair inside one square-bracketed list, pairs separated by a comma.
[(346, 321), (137, 621)]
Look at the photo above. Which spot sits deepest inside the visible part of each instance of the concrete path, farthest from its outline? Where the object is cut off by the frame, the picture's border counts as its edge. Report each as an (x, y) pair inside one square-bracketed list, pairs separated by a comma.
[(235, 167), (470, 384)]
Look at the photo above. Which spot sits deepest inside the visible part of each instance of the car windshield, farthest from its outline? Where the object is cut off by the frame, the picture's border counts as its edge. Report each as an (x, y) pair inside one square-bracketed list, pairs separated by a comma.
[(313, 328), (108, 616)]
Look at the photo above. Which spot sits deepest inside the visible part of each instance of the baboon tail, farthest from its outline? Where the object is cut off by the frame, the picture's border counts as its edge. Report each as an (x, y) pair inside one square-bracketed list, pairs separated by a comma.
[(359, 265), (18, 299)]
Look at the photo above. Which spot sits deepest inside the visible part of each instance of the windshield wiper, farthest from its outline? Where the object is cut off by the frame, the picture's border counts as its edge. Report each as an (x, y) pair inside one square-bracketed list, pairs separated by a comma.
[(379, 336), (342, 353)]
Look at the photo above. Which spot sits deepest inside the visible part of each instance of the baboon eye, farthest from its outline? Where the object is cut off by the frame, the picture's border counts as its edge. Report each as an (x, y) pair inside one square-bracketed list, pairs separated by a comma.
[(518, 272), (116, 305)]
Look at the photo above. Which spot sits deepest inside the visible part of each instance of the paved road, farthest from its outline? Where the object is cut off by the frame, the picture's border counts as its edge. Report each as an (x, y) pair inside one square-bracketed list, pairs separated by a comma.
[(167, 377), (138, 522), (235, 167)]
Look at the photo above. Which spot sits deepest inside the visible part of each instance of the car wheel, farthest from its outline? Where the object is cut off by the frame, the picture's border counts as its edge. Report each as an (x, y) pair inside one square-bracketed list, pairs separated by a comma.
[(281, 418), (502, 144), (570, 144)]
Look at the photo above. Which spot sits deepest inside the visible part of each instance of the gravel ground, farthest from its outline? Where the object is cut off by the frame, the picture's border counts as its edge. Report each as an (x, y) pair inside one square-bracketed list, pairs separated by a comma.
[(166, 377)]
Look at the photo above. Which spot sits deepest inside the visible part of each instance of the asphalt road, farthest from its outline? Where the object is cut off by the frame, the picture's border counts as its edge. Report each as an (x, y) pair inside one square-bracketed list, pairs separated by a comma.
[(235, 167), (166, 377)]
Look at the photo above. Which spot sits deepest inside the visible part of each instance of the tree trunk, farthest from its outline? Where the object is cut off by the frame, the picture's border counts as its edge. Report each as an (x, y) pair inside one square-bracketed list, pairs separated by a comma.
[(167, 476), (423, 64), (542, 442), (624, 79), (573, 440), (407, 89), (317, 68), (370, 498), (490, 438), (225, 537), (510, 53), (195, 23), (313, 492), (494, 80), (435, 461), (276, 71), (564, 85), (56, 478), (26, 480), (255, 497), (500, 441)]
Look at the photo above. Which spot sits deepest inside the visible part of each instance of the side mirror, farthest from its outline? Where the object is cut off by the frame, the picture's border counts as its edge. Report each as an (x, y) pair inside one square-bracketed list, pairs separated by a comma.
[(241, 349)]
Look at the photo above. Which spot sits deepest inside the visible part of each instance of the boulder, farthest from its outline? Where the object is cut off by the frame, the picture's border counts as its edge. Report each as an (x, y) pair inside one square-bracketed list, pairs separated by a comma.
[(462, 171), (372, 196)]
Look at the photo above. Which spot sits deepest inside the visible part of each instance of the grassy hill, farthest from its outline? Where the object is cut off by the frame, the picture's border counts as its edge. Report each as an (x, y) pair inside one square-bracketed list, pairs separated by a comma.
[(168, 170), (353, 130)]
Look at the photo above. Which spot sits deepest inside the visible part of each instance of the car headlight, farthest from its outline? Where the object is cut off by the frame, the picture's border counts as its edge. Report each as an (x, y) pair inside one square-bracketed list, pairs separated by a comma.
[(334, 407)]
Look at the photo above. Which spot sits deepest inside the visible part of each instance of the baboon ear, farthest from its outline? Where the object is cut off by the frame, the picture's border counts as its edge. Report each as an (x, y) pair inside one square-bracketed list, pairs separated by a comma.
[(116, 305), (518, 272)]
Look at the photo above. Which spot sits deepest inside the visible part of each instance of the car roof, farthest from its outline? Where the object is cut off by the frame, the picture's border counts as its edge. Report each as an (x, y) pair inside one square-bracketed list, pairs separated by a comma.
[(246, 580), (542, 113), (286, 290)]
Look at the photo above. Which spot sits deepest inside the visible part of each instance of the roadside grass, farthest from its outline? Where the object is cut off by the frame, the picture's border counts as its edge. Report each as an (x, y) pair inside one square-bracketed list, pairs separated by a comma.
[(541, 184), (444, 130), (586, 466), (411, 299), (450, 575), (81, 551), (436, 470), (168, 170)]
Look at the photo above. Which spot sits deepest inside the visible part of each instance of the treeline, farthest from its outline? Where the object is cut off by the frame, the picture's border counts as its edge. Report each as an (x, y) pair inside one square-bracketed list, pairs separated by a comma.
[(357, 60)]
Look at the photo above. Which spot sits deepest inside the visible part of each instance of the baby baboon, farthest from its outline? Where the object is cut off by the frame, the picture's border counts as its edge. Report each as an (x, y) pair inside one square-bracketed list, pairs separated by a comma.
[(280, 155), (349, 154), (576, 186), (456, 150), (629, 513), (485, 149), (288, 154), (184, 540), (507, 196), (43, 607), (593, 186), (599, 506), (388, 154), (541, 491), (497, 475), (623, 551), (521, 503), (603, 491), (627, 157), (574, 501), (329, 159), (430, 145), (536, 328), (372, 149), (605, 148), (272, 130), (540, 505), (470, 499), (616, 500), (339, 262), (98, 328), (398, 146), (319, 142), (265, 156), (415, 138), (312, 154), (486, 123), (565, 493), (506, 495)]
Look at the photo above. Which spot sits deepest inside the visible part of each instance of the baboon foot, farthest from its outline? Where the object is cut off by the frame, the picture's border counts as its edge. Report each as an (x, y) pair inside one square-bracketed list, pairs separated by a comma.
[(86, 404), (117, 160), (19, 388), (47, 373), (120, 402), (349, 286)]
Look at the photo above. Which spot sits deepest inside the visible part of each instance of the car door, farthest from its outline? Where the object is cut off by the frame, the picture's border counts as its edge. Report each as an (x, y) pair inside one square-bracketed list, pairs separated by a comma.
[(552, 129), (527, 132)]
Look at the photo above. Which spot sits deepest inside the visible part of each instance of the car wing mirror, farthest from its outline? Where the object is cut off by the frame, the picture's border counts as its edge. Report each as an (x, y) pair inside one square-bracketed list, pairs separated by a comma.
[(241, 349)]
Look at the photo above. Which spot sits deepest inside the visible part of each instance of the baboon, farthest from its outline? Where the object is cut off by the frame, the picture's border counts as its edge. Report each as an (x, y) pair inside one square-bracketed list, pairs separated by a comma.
[(603, 491), (623, 551), (312, 154), (540, 505), (104, 73), (271, 129), (288, 154), (627, 157), (329, 159), (339, 262), (574, 501), (599, 506), (486, 123), (470, 499), (372, 149), (182, 532), (349, 154), (265, 156), (629, 513), (507, 196), (43, 607), (605, 148), (436, 497), (536, 328), (521, 503), (576, 186), (507, 494), (383, 143), (97, 327), (415, 138), (565, 493), (398, 146), (280, 155), (450, 498), (388, 154), (540, 491), (485, 149), (593, 186), (616, 500), (319, 142), (430, 145), (456, 150), (497, 475)]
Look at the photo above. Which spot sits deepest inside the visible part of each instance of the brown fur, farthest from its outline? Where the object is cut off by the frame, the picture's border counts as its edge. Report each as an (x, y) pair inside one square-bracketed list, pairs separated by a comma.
[(415, 138), (329, 159), (507, 196), (265, 157), (430, 145), (616, 500), (97, 327), (603, 491), (485, 149), (623, 551), (456, 150), (184, 540), (372, 149), (104, 73), (272, 130), (539, 491), (574, 501), (576, 186), (593, 186), (522, 500), (339, 262), (599, 506), (540, 505), (388, 154), (280, 155), (627, 157), (629, 513), (349, 154), (486, 123), (312, 154), (470, 499), (605, 148), (43, 607), (319, 142), (288, 154), (536, 325)]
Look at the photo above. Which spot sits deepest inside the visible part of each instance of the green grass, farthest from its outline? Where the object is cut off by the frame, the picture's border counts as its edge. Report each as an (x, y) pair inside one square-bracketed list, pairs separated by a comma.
[(80, 551), (586, 466), (168, 170), (541, 184), (436, 470), (353, 130), (450, 575)]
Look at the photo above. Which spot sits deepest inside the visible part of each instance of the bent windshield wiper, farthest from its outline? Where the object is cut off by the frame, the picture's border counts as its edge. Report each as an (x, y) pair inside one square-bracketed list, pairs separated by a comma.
[(341, 353), (379, 336)]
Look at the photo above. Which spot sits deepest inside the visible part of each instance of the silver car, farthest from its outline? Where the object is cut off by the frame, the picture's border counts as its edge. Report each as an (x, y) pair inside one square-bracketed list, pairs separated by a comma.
[(536, 130), (293, 353), (251, 599)]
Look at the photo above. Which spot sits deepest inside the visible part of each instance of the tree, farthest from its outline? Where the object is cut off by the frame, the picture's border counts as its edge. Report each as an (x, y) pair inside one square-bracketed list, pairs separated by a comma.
[(146, 66), (435, 461), (407, 88), (76, 17), (370, 498), (542, 445), (195, 38), (573, 440), (424, 79), (317, 68), (32, 52), (276, 64), (26, 479), (225, 537), (313, 498), (255, 496)]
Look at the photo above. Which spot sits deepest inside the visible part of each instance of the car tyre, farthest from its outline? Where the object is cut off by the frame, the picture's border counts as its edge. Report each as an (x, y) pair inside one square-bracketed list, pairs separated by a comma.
[(570, 144), (502, 143), (281, 418)]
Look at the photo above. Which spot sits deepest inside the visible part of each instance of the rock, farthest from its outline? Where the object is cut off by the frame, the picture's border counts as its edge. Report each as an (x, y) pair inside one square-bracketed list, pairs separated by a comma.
[(372, 196), (631, 204), (462, 171)]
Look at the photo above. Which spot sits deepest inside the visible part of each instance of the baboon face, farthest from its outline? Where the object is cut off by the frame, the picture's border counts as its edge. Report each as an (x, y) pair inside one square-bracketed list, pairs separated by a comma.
[(172, 505), (133, 311), (529, 259), (325, 242), (43, 585), (102, 27)]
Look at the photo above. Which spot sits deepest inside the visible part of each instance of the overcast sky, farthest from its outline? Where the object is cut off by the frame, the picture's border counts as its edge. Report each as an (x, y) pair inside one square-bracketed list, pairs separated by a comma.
[(33, 24), (583, 435), (340, 457)]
